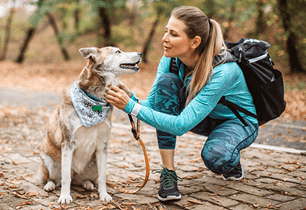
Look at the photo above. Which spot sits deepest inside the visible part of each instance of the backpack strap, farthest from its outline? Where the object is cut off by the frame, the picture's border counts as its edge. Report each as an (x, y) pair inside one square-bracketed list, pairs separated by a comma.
[(235, 108), (173, 66)]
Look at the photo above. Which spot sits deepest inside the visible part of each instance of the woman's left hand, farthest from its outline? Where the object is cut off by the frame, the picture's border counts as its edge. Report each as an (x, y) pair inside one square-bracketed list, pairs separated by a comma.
[(117, 97)]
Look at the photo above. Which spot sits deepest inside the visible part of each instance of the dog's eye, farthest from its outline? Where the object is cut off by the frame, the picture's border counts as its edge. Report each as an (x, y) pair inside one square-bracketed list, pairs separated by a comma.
[(118, 51)]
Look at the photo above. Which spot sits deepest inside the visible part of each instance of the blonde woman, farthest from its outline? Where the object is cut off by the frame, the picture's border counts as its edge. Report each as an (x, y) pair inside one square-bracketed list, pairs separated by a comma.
[(188, 101)]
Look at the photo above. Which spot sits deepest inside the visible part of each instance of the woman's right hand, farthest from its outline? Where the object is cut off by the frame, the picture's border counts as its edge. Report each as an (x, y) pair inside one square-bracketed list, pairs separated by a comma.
[(125, 88)]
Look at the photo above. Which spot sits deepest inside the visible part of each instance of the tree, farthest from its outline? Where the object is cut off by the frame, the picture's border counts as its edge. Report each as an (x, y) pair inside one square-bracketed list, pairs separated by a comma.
[(30, 34), (8, 31), (148, 41), (58, 37), (294, 61), (104, 28)]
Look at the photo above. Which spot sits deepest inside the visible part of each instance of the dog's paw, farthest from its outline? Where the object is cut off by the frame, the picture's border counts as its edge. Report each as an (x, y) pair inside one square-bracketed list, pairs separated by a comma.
[(49, 186), (65, 199), (88, 185), (105, 197)]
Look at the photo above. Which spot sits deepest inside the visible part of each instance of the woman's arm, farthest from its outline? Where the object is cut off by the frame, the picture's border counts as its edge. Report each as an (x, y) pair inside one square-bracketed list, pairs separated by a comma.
[(193, 114)]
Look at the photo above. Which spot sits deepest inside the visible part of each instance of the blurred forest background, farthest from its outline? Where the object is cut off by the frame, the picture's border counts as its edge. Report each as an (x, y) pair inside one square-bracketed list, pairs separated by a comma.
[(39, 39)]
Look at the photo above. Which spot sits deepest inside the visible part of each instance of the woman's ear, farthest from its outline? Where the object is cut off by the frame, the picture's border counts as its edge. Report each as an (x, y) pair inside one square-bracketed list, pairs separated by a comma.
[(196, 41)]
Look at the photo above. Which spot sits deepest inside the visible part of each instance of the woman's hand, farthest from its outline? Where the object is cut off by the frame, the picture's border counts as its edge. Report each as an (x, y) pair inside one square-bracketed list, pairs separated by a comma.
[(125, 88), (118, 96)]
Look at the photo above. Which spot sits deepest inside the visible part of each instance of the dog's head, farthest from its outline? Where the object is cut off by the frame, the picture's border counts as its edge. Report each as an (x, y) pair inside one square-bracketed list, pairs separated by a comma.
[(111, 60)]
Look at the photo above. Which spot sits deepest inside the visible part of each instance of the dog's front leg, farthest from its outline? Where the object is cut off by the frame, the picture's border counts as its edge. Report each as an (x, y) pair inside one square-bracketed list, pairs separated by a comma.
[(101, 161), (67, 152)]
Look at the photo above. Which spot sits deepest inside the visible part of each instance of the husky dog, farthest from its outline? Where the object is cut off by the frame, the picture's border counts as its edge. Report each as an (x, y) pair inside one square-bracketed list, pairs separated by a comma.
[(75, 149)]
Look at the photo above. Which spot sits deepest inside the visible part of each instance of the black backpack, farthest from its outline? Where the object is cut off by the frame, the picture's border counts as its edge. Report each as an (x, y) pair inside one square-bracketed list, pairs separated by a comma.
[(264, 82)]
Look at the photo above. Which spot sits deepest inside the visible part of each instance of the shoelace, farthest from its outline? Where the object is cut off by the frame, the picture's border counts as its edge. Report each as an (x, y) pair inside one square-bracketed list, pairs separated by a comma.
[(168, 176)]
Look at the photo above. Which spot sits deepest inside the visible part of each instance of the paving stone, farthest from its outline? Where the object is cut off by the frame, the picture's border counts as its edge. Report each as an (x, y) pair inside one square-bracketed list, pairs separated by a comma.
[(252, 199), (242, 207), (249, 189), (293, 205), (223, 191), (17, 158), (215, 199), (190, 203), (282, 198)]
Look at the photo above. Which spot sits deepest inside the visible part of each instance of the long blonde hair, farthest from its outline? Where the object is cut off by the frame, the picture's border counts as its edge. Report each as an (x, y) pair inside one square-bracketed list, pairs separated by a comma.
[(211, 44)]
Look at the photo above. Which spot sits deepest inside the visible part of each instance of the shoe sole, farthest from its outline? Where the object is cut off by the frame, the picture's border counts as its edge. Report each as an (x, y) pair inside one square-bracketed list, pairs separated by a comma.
[(169, 198), (234, 178)]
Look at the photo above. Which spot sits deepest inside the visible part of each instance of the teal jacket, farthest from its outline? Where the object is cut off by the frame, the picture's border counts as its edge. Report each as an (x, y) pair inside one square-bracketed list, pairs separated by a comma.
[(227, 80)]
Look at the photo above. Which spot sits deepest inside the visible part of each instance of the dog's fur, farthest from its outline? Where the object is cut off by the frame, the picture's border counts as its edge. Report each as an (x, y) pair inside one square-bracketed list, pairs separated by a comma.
[(72, 153)]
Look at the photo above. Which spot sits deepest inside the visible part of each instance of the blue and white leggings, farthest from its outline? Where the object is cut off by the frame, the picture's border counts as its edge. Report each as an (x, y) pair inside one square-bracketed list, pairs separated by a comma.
[(226, 138)]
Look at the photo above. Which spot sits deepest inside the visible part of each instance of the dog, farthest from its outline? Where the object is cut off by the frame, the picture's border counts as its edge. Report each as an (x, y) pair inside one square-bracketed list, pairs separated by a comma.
[(75, 149)]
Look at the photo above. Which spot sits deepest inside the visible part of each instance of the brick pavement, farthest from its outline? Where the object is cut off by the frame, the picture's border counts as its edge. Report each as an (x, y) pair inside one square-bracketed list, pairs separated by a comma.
[(273, 179)]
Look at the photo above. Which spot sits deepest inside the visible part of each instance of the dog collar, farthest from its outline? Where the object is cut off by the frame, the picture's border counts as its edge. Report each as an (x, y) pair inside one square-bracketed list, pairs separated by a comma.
[(91, 111)]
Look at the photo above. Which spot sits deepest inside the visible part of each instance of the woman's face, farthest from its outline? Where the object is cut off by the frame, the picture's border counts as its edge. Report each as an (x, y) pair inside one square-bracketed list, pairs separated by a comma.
[(176, 41)]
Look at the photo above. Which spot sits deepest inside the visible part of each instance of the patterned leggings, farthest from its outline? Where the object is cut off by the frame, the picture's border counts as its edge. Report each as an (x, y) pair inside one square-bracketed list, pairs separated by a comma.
[(226, 138)]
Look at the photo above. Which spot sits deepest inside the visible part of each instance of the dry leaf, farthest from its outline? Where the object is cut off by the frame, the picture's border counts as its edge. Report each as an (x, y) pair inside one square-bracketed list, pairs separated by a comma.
[(214, 194), (19, 196), (25, 203), (255, 205), (32, 194), (64, 207), (81, 196), (192, 177), (196, 202)]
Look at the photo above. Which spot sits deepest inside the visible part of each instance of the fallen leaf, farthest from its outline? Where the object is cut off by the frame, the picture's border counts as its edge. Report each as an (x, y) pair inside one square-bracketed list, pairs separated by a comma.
[(32, 194), (81, 196), (19, 196), (192, 177), (196, 202), (25, 203), (255, 205)]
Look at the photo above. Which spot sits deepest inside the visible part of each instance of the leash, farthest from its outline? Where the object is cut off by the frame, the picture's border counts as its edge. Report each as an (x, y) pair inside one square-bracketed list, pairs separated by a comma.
[(135, 133)]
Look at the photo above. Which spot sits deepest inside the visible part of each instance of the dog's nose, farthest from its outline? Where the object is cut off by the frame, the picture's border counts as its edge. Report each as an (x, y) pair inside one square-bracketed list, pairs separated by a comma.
[(140, 54)]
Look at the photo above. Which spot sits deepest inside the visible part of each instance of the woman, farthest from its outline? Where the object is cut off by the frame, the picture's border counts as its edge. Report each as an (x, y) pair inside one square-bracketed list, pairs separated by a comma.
[(189, 101)]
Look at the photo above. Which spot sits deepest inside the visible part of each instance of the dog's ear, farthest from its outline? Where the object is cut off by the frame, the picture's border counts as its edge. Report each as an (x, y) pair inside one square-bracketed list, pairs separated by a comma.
[(91, 52)]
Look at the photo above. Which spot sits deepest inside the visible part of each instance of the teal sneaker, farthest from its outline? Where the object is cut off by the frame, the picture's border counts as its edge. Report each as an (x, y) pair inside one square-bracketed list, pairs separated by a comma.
[(168, 189)]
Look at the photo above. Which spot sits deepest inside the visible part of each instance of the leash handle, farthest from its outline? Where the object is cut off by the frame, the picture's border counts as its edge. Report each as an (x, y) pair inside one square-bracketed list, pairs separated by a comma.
[(136, 136)]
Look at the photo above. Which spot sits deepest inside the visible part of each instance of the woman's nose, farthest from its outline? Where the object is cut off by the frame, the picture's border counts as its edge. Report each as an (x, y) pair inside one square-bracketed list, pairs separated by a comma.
[(165, 38)]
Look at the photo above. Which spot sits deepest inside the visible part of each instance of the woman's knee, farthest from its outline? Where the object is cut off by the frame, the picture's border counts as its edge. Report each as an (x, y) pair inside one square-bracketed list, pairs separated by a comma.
[(217, 159)]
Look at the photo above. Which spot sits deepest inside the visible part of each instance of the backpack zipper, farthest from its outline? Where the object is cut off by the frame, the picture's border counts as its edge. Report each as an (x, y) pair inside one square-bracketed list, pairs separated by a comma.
[(253, 60)]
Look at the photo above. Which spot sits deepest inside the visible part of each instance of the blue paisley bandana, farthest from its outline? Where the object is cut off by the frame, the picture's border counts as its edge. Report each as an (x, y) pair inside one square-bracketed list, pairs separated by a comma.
[(91, 112)]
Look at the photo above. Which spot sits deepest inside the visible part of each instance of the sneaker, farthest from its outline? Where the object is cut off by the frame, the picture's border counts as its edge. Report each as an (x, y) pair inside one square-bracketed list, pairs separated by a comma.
[(235, 174), (168, 189)]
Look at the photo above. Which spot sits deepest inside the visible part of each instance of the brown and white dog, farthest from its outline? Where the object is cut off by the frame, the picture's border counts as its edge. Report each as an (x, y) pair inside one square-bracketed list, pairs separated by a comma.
[(74, 153)]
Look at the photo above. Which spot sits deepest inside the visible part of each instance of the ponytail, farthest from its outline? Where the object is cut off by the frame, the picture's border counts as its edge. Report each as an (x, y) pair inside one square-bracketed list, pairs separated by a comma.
[(203, 70)]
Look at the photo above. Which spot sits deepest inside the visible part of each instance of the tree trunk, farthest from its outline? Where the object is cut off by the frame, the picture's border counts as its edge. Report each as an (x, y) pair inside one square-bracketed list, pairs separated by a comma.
[(294, 62), (230, 21), (24, 47), (77, 18), (260, 21), (27, 40), (133, 13), (105, 27), (59, 39), (8, 31), (149, 39)]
